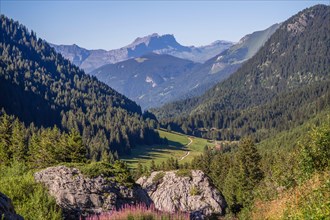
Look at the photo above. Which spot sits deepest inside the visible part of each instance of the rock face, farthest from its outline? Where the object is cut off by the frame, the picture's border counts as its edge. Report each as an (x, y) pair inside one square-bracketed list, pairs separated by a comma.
[(192, 193), (7, 211), (78, 195), (90, 60)]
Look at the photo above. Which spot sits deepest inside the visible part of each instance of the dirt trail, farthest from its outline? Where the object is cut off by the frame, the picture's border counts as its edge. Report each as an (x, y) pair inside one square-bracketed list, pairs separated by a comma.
[(188, 152)]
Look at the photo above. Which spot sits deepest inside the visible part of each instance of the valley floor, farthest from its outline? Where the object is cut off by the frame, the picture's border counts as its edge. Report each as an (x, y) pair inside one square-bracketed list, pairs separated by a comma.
[(180, 147)]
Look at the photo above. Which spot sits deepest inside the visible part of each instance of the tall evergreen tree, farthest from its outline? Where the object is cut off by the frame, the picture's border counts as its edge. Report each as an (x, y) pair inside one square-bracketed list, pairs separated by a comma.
[(18, 142), (231, 190), (152, 166), (139, 170), (75, 145), (5, 139), (35, 155), (250, 173)]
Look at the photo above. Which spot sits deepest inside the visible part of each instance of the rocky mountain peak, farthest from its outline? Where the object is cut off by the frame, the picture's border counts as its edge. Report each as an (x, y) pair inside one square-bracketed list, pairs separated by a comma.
[(156, 42), (143, 40), (299, 22)]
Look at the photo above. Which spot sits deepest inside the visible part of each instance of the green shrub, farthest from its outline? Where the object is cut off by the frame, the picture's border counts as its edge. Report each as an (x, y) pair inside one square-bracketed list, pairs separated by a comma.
[(311, 200), (183, 173), (118, 171), (315, 150), (158, 178), (95, 169), (31, 200)]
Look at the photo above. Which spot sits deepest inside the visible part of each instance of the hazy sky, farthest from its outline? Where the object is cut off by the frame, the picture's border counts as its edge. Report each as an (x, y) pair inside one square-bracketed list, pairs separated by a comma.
[(112, 24)]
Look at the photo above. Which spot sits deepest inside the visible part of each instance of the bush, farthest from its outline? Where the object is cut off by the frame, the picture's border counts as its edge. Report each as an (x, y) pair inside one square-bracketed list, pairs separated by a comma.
[(310, 200), (118, 171), (183, 173), (31, 200), (315, 150), (158, 178), (95, 169)]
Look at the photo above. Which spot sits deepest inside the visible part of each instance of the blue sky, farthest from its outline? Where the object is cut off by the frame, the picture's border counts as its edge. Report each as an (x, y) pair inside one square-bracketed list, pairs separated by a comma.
[(113, 24)]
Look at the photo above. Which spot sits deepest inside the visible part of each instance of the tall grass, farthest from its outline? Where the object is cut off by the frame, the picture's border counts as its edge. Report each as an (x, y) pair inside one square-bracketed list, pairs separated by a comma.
[(30, 199), (139, 212)]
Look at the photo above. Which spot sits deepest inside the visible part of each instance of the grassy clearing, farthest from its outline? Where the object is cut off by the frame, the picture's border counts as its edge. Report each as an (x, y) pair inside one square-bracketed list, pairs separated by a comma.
[(176, 148), (307, 201)]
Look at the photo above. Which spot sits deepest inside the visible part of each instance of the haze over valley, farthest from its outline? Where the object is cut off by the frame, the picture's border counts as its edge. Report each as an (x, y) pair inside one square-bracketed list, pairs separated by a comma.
[(235, 129)]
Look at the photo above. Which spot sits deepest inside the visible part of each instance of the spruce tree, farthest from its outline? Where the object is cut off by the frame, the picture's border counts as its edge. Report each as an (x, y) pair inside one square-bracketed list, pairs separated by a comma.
[(105, 156), (152, 166), (35, 156), (231, 190), (77, 149), (5, 139), (18, 142), (139, 170), (250, 173)]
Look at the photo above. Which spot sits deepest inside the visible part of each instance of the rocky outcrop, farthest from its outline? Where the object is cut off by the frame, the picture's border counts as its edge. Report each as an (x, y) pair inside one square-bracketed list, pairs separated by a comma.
[(79, 195), (7, 211), (184, 191)]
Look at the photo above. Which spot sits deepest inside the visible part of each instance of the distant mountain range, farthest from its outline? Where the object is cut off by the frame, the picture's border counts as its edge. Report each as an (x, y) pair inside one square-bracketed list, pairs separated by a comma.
[(89, 60), (153, 80)]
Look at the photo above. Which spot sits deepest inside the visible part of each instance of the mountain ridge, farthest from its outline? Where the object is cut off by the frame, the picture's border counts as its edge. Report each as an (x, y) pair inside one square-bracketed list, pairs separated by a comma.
[(187, 79), (89, 60), (147, 79)]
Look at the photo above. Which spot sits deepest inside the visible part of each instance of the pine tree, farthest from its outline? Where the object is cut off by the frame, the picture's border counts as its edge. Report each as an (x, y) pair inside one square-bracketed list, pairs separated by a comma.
[(231, 190), (105, 156), (35, 157), (122, 173), (5, 139), (18, 142), (219, 168), (47, 152), (76, 148), (139, 170), (152, 166), (250, 173)]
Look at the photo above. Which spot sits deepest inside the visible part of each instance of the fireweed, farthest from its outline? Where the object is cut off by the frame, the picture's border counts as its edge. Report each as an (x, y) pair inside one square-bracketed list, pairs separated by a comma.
[(139, 212)]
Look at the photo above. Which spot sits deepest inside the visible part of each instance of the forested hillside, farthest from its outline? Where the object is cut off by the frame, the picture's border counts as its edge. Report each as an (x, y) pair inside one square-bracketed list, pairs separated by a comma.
[(39, 86), (285, 177), (283, 85)]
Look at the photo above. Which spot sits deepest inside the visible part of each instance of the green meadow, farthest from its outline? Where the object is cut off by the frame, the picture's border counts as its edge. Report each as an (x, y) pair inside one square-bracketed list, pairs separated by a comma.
[(181, 147)]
